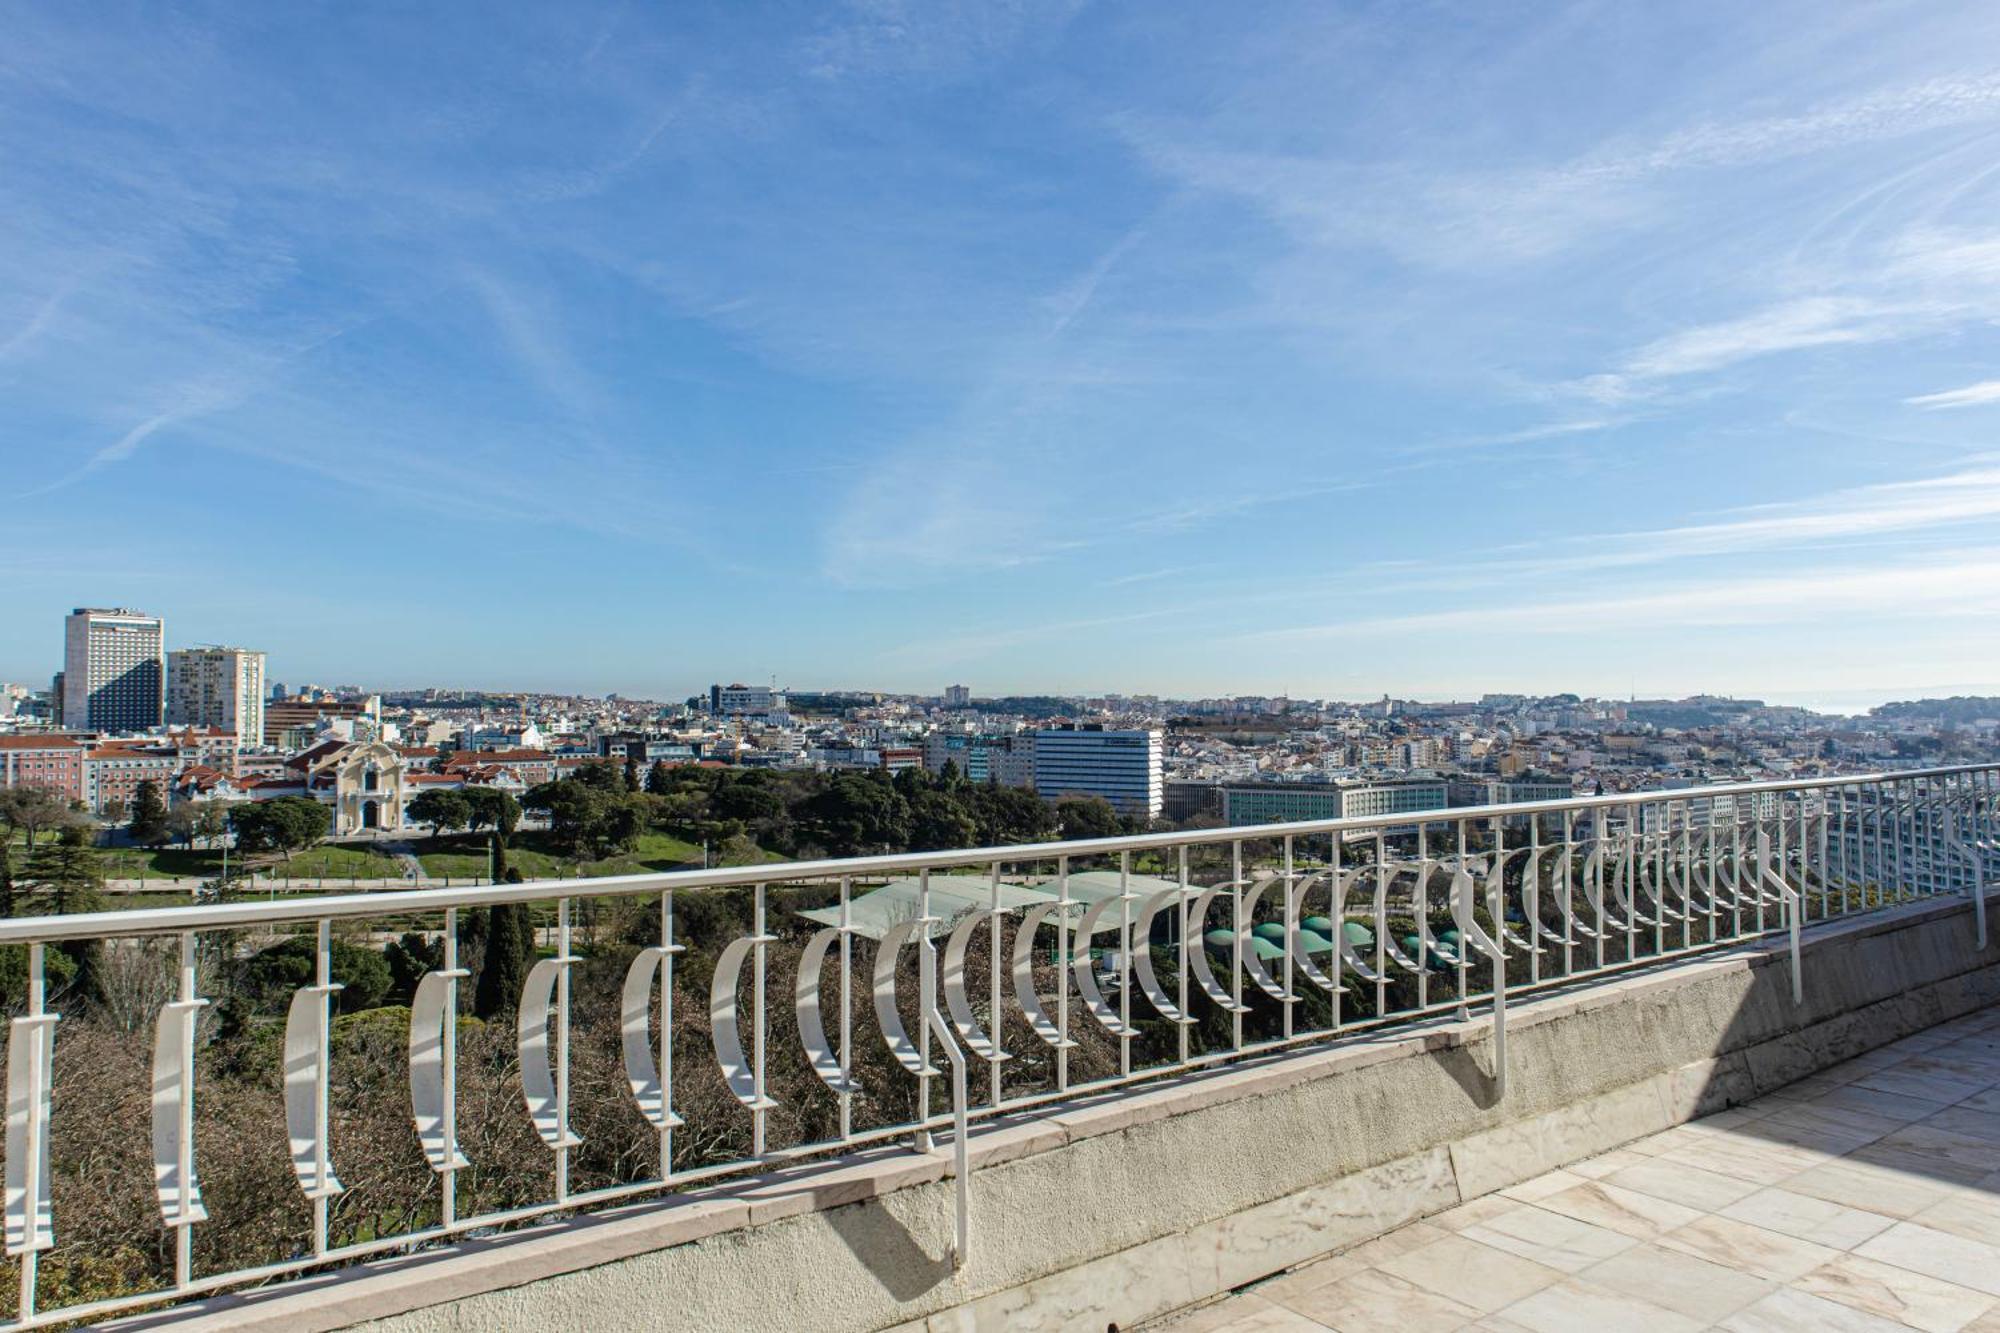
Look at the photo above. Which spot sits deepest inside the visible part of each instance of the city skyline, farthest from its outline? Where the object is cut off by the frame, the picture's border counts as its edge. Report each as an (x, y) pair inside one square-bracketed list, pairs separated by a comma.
[(1054, 349), (364, 678)]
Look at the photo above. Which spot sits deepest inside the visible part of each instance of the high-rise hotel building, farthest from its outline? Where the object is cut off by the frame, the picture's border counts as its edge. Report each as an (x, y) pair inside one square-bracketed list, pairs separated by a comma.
[(217, 687), (1124, 767), (114, 670)]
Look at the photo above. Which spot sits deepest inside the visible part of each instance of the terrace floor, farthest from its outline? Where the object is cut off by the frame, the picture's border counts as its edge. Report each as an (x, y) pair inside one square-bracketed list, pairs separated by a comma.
[(1864, 1198)]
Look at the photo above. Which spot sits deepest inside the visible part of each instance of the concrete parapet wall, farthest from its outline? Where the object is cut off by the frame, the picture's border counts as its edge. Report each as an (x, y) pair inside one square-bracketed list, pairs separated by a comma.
[(1110, 1210)]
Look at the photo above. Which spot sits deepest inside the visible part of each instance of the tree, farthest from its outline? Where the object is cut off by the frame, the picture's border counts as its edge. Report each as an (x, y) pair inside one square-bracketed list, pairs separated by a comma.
[(659, 780), (64, 877), (6, 881), (631, 777), (586, 817), (937, 822), (1087, 817), (859, 813), (510, 949), (494, 808), (36, 810), (211, 821), (149, 815), (442, 808), (183, 821), (286, 825)]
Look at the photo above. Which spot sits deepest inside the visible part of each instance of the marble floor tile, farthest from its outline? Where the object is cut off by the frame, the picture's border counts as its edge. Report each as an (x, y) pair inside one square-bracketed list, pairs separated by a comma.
[(1387, 1246), (1242, 1313), (1788, 1311), (1576, 1306), (1939, 1254), (1919, 1148), (1758, 1163), (1971, 1121), (1818, 1113), (1683, 1283), (1936, 1065), (1549, 1238), (1677, 1182), (1597, 1168), (1820, 1221), (1540, 1187), (1473, 1211), (1471, 1273), (1896, 1293), (1629, 1212), (1877, 1189), (1826, 1138), (1750, 1249), (1988, 1101), (1971, 1213), (1894, 1106), (1372, 1301), (1305, 1278), (1903, 1082)]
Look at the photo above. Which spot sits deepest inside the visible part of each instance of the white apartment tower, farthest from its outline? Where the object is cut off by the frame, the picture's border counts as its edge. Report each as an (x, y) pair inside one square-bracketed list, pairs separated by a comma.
[(217, 687), (114, 670), (1124, 767)]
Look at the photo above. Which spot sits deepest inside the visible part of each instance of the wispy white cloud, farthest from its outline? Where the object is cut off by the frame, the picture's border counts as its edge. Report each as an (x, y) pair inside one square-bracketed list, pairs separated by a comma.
[(1966, 586), (1477, 218), (1972, 395)]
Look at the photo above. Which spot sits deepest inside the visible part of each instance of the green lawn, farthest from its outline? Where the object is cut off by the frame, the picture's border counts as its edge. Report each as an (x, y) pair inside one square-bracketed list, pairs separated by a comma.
[(462, 857), (327, 861), (160, 863), (335, 860)]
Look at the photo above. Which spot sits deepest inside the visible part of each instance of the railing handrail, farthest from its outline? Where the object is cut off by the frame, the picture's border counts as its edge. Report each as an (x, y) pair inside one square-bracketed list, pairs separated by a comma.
[(345, 906)]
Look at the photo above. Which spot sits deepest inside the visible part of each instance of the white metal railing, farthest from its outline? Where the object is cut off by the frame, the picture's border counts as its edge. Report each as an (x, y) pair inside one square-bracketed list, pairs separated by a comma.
[(1326, 928)]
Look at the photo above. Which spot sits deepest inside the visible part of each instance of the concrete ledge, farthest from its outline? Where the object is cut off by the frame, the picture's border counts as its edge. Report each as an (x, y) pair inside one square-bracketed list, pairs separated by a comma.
[(1114, 1209)]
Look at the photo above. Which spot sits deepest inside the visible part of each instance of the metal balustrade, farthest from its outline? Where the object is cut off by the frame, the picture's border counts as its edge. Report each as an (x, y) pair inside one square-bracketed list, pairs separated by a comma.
[(1063, 969)]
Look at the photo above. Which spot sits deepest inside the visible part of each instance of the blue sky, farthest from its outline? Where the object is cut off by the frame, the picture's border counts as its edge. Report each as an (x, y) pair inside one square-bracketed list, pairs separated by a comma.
[(1330, 349)]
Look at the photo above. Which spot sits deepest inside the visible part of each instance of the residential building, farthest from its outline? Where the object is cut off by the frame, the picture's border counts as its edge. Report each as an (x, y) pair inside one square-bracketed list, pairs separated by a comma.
[(217, 687), (957, 696), (113, 770), (114, 670), (51, 761), (1122, 766)]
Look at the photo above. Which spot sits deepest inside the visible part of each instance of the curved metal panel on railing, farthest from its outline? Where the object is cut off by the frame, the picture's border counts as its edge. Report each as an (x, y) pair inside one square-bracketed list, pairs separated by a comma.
[(1253, 966), (546, 1106), (306, 1089), (436, 997), (635, 1031), (1142, 956), (30, 1061), (1204, 975), (820, 1054), (957, 1003), (1024, 976), (887, 952), (1086, 978), (173, 1113)]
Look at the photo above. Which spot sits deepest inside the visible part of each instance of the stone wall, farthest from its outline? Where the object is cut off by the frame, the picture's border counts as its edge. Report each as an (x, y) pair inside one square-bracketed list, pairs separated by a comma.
[(1108, 1211)]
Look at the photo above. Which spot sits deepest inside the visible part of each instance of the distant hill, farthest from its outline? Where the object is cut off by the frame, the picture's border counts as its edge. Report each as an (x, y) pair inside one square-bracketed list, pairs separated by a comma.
[(1959, 710)]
